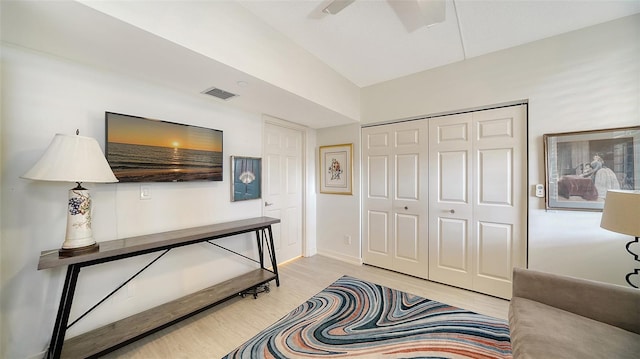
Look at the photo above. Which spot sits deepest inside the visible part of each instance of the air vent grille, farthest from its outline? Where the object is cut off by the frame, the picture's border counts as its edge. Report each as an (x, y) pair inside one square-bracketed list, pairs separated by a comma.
[(221, 94)]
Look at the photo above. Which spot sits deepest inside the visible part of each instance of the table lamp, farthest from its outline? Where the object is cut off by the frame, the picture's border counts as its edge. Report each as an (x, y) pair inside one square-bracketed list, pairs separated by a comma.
[(74, 159), (621, 214)]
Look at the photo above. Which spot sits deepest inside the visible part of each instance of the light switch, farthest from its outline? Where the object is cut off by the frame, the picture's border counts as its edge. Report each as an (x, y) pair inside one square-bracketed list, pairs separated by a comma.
[(145, 192)]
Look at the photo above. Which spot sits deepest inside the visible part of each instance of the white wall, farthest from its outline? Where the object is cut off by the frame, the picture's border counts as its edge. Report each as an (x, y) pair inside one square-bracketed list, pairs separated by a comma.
[(41, 96), (339, 215), (584, 80), (242, 41)]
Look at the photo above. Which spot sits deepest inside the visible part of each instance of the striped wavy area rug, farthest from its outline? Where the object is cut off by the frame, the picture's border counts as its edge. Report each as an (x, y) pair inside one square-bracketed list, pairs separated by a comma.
[(356, 319)]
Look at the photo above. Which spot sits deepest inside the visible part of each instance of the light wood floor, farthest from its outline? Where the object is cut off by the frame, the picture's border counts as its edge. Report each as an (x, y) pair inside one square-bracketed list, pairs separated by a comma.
[(217, 331)]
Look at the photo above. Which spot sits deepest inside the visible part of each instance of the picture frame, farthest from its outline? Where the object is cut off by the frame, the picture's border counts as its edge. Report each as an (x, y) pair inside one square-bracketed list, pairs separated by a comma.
[(336, 169), (581, 166), (246, 178)]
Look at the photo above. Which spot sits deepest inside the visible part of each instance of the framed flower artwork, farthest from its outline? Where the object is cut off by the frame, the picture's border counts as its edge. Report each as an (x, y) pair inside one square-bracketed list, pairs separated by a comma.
[(336, 169)]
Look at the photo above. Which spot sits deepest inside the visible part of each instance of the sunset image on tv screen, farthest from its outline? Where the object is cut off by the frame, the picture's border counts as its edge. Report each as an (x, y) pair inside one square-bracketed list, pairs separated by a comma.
[(146, 150)]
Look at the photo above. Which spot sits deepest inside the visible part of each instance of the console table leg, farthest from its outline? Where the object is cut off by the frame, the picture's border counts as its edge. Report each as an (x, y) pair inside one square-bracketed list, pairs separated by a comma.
[(62, 318), (260, 247), (272, 254)]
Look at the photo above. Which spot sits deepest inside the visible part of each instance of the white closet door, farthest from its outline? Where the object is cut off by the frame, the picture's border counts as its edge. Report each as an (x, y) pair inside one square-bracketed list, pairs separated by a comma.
[(377, 157), (500, 236), (450, 207), (478, 199), (395, 198)]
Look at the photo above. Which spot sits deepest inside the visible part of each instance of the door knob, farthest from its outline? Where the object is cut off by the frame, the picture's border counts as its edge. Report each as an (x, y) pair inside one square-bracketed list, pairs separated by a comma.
[(452, 211), (267, 204)]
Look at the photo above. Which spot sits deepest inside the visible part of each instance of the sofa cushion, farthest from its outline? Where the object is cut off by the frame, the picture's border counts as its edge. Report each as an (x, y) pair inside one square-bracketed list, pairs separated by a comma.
[(542, 331), (604, 302)]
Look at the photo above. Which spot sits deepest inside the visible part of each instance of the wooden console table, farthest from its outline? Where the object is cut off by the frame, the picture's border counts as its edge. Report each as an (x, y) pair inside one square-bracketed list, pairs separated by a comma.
[(120, 333)]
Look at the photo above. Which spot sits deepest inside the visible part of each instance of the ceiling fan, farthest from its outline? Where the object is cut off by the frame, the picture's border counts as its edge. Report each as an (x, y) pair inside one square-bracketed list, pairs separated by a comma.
[(413, 14)]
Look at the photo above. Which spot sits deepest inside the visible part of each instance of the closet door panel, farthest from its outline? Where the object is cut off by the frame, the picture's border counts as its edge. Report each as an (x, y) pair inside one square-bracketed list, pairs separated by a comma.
[(452, 244), (494, 244), (377, 247), (410, 148), (450, 207), (495, 176), (395, 197), (407, 228), (378, 173), (407, 178), (407, 218), (378, 233), (452, 177), (499, 206)]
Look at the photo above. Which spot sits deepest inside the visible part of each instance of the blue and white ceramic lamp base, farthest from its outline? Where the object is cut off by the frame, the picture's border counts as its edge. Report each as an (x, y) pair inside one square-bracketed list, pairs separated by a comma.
[(79, 237)]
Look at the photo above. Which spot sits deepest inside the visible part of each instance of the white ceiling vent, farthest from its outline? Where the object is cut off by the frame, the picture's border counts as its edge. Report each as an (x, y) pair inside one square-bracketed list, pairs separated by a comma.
[(221, 94)]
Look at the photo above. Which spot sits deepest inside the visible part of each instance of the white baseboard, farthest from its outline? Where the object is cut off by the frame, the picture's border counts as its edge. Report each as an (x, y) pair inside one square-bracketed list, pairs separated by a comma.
[(38, 355), (340, 257)]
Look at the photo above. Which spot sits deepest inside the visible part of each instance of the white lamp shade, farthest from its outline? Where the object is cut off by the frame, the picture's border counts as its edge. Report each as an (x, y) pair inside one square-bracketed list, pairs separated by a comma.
[(72, 158), (622, 212)]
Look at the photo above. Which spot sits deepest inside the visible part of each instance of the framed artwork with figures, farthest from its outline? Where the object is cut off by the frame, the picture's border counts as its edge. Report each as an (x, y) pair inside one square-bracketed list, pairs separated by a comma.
[(582, 166), (336, 169)]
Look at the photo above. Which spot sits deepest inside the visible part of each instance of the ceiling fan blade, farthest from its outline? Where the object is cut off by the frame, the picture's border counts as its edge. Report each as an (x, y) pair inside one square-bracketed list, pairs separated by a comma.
[(415, 14), (433, 11), (336, 6)]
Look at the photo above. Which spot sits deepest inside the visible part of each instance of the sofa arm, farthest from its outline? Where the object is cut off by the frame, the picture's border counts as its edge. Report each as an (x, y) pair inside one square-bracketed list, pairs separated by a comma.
[(608, 303)]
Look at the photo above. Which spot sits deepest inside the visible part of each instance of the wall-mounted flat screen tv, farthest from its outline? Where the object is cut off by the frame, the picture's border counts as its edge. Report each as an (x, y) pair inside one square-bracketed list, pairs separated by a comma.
[(140, 149)]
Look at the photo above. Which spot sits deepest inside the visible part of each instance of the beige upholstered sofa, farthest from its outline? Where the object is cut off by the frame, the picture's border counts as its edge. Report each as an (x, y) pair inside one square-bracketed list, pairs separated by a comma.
[(552, 316)]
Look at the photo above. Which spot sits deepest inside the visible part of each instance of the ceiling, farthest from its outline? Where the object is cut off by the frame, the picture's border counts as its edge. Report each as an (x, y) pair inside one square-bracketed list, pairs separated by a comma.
[(368, 43)]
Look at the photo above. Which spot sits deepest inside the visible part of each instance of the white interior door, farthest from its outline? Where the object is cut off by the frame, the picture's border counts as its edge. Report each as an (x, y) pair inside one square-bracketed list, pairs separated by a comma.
[(395, 199), (478, 199), (282, 187)]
